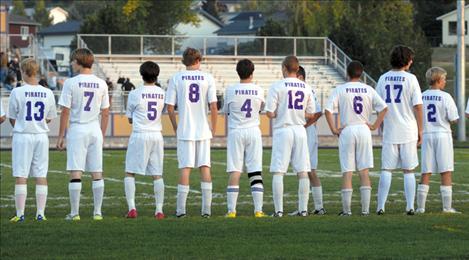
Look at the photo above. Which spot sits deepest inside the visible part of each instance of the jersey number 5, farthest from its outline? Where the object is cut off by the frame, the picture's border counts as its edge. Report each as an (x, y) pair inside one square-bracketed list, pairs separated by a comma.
[(152, 112), (37, 116)]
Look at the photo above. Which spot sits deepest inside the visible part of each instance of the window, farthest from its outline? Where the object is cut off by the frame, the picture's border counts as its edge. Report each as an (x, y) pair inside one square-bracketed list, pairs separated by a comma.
[(453, 28), (24, 31)]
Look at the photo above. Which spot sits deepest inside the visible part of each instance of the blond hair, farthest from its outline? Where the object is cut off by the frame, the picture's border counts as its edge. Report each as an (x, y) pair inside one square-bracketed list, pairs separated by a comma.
[(29, 67), (434, 74)]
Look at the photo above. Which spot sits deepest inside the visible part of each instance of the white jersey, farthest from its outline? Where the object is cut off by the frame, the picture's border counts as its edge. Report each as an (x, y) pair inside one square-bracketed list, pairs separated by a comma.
[(401, 92), (243, 103), (439, 110), (85, 95), (145, 106), (316, 101), (31, 106), (290, 98), (2, 111), (356, 102), (192, 91), (467, 107)]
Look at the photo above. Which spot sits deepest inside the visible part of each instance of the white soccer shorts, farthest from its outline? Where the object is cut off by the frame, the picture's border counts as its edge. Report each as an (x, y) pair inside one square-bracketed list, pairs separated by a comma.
[(355, 148), (85, 148), (145, 153), (193, 154), (244, 146), (312, 134), (404, 156), (437, 153), (30, 155), (290, 145)]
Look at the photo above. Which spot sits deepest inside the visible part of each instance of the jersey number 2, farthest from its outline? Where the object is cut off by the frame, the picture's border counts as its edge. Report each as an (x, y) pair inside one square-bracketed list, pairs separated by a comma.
[(37, 116), (431, 113)]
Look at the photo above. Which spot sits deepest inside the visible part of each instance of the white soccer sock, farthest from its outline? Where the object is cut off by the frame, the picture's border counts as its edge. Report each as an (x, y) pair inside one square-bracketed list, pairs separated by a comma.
[(277, 192), (129, 187), (383, 189), (74, 190), (183, 191), (446, 196), (98, 194), (21, 191), (231, 197), (409, 190), (422, 192), (365, 193), (206, 188), (303, 194), (317, 197), (257, 191), (41, 199), (347, 200), (158, 189)]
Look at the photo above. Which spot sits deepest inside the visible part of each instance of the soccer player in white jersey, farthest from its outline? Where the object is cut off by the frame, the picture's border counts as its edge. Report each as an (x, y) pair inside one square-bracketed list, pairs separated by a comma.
[(437, 147), (83, 99), (145, 150), (289, 102), (403, 126), (355, 103), (467, 109), (193, 91), (313, 142), (243, 103), (2, 112), (31, 108)]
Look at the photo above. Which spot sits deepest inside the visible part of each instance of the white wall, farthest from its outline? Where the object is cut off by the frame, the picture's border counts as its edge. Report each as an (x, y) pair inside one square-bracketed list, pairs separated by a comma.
[(57, 15), (58, 44), (205, 28), (452, 39)]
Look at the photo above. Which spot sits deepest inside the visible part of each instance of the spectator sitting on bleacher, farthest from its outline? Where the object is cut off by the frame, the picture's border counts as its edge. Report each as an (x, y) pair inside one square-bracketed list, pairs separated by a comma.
[(3, 68), (14, 68), (10, 82)]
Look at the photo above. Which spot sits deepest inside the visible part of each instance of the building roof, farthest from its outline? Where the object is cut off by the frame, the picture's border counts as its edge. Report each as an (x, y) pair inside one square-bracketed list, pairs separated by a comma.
[(64, 28), (18, 19), (450, 13), (211, 17), (241, 24)]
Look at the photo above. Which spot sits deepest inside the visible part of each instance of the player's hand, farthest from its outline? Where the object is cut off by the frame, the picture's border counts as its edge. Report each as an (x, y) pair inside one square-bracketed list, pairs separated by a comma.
[(60, 144), (419, 142), (336, 131), (372, 127)]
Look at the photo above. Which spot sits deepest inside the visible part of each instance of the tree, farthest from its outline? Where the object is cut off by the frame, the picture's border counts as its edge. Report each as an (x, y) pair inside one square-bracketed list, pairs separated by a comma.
[(18, 7), (41, 15)]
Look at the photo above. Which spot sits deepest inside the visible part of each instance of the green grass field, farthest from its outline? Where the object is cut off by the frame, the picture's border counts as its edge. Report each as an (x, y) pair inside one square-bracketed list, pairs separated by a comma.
[(432, 235)]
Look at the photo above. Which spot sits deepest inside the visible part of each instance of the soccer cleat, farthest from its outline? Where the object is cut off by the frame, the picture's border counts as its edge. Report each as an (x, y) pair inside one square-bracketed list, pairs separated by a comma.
[(294, 213), (345, 214), (71, 217), (451, 211), (181, 216), (410, 212), (259, 214), (205, 215), (230, 215), (380, 212), (302, 214), (97, 217), (17, 219), (40, 218), (365, 214), (277, 214), (420, 211), (132, 213), (321, 211), (159, 216)]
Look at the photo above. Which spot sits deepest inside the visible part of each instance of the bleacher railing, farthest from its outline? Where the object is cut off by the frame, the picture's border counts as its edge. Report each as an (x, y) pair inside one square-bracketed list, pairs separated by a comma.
[(129, 45)]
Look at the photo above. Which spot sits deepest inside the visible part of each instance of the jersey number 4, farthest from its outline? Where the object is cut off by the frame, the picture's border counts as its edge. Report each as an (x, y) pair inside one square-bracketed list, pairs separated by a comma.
[(37, 116), (246, 107), (397, 88)]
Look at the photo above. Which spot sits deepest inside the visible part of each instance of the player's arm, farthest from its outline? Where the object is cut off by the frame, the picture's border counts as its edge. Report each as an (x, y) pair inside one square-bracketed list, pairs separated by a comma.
[(379, 120), (418, 111), (104, 120), (172, 117), (331, 123), (64, 117), (213, 116), (313, 119)]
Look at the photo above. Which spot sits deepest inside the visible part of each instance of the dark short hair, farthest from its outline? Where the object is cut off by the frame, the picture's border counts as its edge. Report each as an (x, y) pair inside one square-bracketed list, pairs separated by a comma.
[(301, 72), (191, 56), (354, 69), (84, 57), (401, 56), (291, 64), (245, 68), (149, 71)]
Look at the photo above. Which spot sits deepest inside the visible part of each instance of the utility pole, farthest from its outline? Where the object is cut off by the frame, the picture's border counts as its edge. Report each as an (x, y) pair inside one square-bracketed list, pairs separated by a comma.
[(460, 72)]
